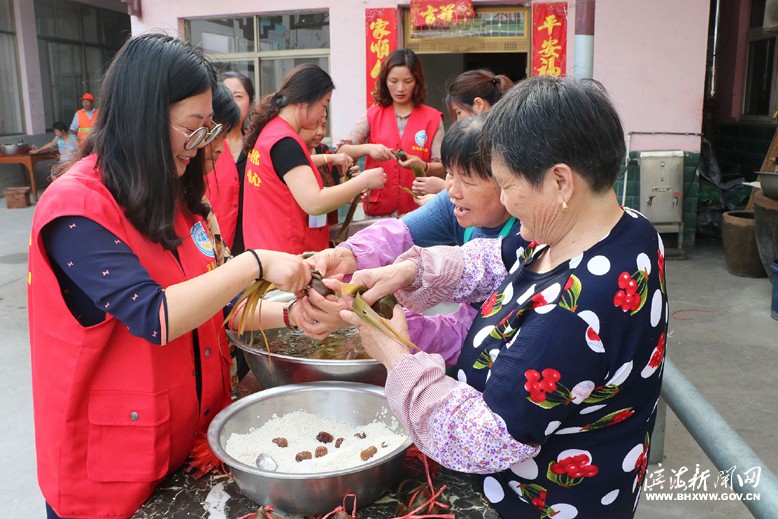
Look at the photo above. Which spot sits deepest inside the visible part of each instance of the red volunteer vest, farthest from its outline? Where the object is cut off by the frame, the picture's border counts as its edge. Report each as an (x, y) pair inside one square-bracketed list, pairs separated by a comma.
[(272, 218), (222, 187), (417, 137), (113, 413), (327, 179), (85, 123)]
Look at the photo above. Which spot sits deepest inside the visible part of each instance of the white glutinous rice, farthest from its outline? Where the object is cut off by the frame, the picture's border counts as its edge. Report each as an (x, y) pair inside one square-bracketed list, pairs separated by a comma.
[(300, 429)]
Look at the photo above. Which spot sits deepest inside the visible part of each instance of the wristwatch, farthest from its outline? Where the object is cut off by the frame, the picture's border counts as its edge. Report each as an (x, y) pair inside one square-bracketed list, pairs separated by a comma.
[(287, 307)]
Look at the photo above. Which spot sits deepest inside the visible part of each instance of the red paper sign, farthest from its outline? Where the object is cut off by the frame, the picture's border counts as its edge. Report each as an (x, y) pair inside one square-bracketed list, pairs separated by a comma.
[(549, 39), (381, 39), (428, 13)]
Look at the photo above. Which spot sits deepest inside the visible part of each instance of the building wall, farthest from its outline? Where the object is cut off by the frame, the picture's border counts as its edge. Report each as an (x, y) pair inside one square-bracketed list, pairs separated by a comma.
[(32, 90), (652, 64), (731, 52), (347, 41), (740, 144), (650, 55), (29, 62)]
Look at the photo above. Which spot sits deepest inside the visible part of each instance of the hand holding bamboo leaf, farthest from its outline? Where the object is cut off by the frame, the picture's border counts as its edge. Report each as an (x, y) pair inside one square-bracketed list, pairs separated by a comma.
[(318, 315), (330, 262), (279, 270), (382, 347), (415, 164), (384, 280)]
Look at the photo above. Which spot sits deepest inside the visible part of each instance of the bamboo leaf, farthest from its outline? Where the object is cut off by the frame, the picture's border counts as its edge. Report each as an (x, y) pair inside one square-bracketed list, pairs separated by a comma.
[(370, 316), (351, 288), (418, 170), (248, 302), (414, 195)]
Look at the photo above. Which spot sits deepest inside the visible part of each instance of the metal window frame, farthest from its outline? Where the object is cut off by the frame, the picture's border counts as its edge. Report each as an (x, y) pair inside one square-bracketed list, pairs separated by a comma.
[(257, 56), (754, 35)]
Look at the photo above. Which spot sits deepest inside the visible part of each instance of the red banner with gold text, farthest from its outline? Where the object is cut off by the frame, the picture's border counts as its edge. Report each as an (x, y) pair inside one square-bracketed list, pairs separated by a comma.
[(381, 39), (549, 39), (435, 13)]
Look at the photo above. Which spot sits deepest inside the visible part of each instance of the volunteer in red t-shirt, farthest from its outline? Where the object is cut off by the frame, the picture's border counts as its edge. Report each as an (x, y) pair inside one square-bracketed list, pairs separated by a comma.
[(285, 205), (399, 120)]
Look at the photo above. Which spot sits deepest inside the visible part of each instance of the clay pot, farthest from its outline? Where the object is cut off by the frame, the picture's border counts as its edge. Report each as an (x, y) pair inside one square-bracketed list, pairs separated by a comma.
[(740, 249)]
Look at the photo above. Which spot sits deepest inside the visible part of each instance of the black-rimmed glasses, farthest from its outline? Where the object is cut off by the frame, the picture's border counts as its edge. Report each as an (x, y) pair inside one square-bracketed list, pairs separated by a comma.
[(199, 135)]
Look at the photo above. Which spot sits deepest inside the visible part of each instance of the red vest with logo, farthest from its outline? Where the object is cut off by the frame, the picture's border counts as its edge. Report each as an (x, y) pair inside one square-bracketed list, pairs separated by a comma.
[(85, 123), (272, 218), (222, 187), (417, 137), (114, 414)]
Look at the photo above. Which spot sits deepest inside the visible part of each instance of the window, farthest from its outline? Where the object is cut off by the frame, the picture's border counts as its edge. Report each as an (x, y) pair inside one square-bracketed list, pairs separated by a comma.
[(760, 100), (11, 121), (264, 47), (75, 44)]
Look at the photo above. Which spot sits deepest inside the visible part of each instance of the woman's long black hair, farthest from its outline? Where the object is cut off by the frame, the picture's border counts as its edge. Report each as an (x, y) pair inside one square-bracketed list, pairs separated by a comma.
[(225, 110), (131, 137), (306, 83)]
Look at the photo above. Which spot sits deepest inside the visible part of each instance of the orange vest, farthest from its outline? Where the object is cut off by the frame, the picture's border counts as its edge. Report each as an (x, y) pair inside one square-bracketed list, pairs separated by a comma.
[(272, 218), (85, 123), (222, 187), (114, 414), (416, 139)]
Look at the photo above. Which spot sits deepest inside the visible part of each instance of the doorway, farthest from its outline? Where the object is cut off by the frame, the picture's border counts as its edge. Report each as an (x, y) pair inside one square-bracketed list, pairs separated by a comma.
[(439, 69)]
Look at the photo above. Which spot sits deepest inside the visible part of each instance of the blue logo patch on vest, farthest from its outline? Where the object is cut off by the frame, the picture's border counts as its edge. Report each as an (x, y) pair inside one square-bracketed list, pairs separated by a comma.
[(200, 238), (420, 138)]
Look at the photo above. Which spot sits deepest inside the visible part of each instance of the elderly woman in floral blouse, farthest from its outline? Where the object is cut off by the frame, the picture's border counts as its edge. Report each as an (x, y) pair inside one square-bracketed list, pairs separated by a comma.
[(560, 373)]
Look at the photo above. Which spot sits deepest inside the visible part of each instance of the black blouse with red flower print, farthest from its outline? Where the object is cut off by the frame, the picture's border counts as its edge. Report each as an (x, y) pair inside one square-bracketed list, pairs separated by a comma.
[(571, 361)]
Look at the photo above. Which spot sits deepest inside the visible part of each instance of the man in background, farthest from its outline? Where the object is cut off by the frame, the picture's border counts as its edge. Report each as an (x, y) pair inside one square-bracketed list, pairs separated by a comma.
[(84, 118)]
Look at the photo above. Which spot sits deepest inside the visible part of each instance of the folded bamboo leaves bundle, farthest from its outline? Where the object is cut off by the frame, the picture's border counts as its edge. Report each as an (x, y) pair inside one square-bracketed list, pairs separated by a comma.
[(371, 316), (374, 315)]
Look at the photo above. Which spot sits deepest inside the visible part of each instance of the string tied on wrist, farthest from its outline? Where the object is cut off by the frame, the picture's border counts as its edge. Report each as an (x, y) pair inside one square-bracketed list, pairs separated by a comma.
[(259, 263)]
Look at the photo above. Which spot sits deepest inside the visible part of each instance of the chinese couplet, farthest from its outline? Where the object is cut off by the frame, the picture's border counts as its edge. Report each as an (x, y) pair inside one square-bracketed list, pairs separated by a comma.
[(549, 39), (381, 34)]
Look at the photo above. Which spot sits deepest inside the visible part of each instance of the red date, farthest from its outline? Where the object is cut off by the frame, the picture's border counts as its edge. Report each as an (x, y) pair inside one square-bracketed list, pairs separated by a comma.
[(368, 453), (304, 455), (325, 437)]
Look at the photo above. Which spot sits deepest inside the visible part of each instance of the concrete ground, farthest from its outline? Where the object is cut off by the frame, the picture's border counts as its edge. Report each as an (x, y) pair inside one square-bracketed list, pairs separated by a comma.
[(721, 337)]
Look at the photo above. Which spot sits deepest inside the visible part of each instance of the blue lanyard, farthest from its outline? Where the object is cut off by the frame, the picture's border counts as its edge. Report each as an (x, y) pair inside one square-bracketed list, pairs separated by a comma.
[(503, 232)]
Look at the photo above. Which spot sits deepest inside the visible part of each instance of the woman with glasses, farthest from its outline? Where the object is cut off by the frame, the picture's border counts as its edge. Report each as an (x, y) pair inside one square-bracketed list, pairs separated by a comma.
[(285, 203), (126, 300)]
